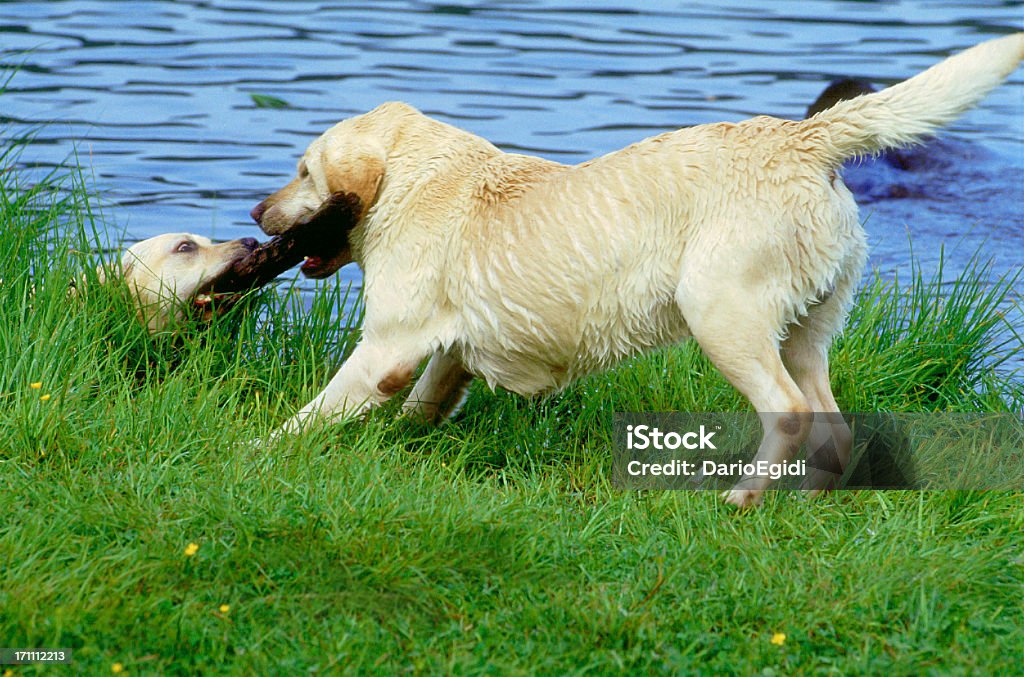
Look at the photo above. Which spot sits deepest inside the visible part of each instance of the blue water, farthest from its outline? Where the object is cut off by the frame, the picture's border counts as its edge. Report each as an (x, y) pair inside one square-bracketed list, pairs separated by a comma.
[(156, 97)]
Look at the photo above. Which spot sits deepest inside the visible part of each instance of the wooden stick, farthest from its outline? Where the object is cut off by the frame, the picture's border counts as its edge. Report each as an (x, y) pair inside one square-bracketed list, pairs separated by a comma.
[(323, 233)]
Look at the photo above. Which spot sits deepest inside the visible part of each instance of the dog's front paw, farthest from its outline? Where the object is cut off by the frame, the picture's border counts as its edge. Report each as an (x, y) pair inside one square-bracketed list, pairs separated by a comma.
[(743, 498)]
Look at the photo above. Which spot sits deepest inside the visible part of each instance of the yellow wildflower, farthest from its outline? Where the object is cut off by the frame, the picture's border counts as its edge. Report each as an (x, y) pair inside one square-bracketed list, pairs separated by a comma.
[(779, 638), (35, 386), (224, 608), (191, 549), (45, 397), (117, 668)]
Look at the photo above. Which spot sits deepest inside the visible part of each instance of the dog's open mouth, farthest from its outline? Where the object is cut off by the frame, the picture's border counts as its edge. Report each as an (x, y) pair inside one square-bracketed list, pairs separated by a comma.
[(219, 294), (319, 242), (221, 300), (315, 267)]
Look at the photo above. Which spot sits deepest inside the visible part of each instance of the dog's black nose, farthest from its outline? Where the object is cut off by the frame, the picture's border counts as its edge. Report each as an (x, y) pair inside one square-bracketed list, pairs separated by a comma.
[(257, 212), (249, 243)]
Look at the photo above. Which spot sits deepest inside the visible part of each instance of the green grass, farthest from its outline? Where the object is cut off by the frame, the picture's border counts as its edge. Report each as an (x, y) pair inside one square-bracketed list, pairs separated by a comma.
[(494, 544)]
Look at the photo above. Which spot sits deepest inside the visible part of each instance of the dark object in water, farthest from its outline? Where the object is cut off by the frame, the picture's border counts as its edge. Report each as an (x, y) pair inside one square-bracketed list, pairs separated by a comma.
[(839, 90)]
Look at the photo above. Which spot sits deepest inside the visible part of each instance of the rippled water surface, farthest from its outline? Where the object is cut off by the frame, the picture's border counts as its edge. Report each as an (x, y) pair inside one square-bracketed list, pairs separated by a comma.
[(157, 98)]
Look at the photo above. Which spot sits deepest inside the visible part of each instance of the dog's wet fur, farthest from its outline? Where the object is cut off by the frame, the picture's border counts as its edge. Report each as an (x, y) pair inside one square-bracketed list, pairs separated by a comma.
[(529, 274)]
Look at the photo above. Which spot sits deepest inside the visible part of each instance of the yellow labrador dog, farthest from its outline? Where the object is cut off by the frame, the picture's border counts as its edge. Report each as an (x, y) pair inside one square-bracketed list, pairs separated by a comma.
[(170, 274), (529, 274)]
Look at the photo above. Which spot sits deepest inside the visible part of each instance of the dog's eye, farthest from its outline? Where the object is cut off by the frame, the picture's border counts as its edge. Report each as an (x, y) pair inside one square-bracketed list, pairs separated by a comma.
[(186, 247)]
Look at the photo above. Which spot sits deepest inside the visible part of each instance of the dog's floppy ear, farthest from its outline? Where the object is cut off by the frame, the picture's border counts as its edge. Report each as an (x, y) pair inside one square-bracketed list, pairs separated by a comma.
[(357, 170)]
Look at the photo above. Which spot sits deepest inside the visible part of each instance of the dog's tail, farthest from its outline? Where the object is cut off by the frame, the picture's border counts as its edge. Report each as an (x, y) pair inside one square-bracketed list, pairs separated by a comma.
[(902, 114)]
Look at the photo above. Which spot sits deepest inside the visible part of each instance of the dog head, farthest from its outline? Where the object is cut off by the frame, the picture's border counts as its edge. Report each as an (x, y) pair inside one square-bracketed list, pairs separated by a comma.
[(348, 159), (171, 273)]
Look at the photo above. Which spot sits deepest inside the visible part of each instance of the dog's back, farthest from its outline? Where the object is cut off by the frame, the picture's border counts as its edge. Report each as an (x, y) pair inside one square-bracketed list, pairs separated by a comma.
[(583, 267)]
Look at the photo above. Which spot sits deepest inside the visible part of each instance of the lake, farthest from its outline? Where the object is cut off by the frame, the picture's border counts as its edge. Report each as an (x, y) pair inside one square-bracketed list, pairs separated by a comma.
[(158, 100)]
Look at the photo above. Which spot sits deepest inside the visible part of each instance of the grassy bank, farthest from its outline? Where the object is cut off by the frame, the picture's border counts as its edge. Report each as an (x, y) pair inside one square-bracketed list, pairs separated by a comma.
[(139, 527)]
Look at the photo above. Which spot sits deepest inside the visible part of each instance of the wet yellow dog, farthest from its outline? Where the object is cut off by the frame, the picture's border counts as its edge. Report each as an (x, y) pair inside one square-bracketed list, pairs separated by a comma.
[(529, 274)]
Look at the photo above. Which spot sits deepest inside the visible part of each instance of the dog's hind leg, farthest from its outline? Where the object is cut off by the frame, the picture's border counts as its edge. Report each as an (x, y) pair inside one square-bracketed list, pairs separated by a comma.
[(440, 391), (741, 341), (805, 354)]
